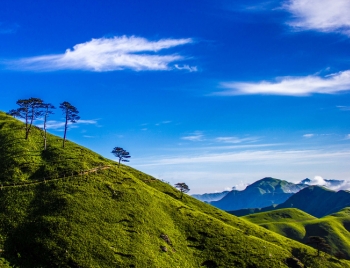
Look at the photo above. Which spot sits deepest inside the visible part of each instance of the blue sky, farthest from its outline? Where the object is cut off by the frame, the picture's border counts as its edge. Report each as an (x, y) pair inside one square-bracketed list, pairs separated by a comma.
[(212, 93)]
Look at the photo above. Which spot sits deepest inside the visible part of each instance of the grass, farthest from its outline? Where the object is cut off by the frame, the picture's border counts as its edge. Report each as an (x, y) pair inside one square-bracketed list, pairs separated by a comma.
[(117, 217), (298, 225)]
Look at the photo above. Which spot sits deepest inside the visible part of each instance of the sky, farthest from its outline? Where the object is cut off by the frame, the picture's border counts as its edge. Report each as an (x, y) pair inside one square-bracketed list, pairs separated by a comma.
[(216, 94)]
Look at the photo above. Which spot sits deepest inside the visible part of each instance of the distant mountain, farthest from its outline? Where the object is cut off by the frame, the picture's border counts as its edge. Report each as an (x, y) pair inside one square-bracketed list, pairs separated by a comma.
[(327, 183), (315, 200), (209, 197), (298, 225), (318, 201), (262, 193)]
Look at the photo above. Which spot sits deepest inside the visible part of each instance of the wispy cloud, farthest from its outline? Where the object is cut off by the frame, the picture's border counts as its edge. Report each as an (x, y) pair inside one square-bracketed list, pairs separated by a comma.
[(236, 140), (186, 67), (107, 54), (8, 28), (343, 108), (56, 125), (291, 86), (320, 15), (163, 123), (257, 157), (196, 136), (310, 135)]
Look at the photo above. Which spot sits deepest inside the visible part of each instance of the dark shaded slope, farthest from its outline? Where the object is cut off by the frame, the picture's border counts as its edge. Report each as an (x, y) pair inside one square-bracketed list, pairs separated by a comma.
[(262, 193), (318, 201)]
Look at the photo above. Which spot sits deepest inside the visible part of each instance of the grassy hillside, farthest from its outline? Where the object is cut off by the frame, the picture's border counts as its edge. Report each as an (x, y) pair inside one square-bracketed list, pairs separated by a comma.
[(74, 208), (298, 225)]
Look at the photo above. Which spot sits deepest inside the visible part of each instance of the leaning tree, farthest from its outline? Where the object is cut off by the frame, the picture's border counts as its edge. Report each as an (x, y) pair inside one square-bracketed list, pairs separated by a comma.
[(183, 188), (29, 110), (71, 116), (121, 154)]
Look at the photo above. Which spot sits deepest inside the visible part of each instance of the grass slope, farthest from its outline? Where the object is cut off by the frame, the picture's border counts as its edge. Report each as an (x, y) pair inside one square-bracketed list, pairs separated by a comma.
[(52, 214), (298, 225)]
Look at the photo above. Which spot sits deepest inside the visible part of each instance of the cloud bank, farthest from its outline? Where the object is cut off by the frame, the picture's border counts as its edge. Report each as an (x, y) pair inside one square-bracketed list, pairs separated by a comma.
[(109, 54), (291, 86), (335, 185), (320, 15)]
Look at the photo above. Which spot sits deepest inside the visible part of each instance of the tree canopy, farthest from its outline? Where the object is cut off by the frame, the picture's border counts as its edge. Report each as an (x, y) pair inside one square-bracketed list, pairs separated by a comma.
[(29, 110), (183, 188), (121, 154)]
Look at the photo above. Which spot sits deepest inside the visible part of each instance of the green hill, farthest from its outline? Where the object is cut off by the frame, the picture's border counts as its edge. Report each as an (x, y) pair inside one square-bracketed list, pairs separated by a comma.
[(298, 225), (73, 208)]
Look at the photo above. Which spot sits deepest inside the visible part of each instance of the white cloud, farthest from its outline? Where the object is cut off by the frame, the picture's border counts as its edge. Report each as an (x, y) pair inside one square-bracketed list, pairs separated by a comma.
[(196, 136), (186, 67), (318, 180), (347, 137), (53, 124), (236, 140), (291, 86), (320, 15), (300, 157), (343, 108), (107, 54), (240, 186), (308, 135)]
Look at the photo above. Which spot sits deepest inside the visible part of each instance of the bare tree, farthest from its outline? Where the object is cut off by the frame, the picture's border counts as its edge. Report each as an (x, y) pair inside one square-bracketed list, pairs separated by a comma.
[(29, 110), (121, 154), (71, 115), (182, 187)]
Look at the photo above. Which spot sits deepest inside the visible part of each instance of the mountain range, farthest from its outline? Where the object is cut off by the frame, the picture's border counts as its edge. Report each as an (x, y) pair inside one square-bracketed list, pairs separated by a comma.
[(262, 193), (209, 197), (315, 200), (70, 207)]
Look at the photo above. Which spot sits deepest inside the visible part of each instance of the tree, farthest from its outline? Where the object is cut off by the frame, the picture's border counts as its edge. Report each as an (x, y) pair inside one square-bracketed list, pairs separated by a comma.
[(47, 110), (71, 115), (29, 110), (121, 154), (319, 243), (182, 187)]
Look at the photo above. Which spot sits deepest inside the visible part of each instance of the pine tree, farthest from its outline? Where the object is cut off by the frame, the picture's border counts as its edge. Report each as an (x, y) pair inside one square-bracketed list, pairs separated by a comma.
[(71, 115), (121, 154), (29, 110)]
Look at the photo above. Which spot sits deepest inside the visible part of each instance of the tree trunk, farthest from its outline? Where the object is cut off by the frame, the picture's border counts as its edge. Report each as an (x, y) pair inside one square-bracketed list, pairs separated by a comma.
[(45, 129), (65, 129), (27, 133)]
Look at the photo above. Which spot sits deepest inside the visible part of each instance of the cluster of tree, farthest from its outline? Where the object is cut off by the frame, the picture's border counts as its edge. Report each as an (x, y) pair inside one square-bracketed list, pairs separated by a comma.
[(34, 108)]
